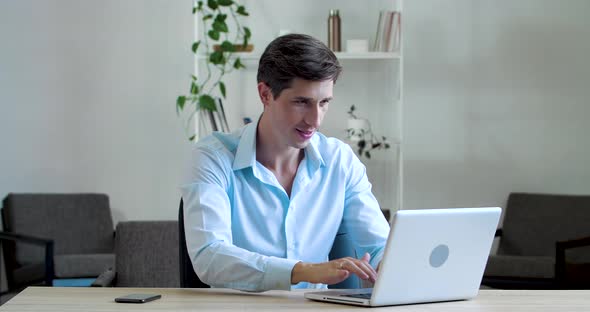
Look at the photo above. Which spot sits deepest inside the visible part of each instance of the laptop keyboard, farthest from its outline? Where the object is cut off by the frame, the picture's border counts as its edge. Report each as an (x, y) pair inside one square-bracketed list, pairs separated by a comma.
[(361, 296)]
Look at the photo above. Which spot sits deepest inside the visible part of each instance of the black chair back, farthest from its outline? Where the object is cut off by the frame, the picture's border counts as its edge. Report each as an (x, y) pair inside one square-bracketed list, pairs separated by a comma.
[(188, 277)]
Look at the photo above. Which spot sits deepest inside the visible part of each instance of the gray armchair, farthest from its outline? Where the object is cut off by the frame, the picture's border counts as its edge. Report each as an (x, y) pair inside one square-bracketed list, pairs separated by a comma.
[(147, 255), (544, 243), (48, 237)]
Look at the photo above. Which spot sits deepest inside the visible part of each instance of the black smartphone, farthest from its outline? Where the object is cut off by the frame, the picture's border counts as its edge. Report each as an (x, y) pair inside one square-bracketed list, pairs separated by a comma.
[(137, 298)]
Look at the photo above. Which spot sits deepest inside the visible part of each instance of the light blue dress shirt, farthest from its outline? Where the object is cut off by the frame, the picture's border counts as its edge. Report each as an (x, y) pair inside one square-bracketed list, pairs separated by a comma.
[(244, 232)]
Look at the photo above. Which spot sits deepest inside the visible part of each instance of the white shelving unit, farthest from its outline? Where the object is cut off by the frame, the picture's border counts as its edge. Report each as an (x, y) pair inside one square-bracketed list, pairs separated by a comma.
[(372, 81), (339, 55)]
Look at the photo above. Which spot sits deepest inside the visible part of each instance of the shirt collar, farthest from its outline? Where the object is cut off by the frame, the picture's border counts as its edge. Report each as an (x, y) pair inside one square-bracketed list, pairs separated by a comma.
[(246, 152)]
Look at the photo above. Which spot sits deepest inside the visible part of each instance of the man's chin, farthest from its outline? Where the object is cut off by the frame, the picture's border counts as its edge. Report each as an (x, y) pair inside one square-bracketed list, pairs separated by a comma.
[(301, 144)]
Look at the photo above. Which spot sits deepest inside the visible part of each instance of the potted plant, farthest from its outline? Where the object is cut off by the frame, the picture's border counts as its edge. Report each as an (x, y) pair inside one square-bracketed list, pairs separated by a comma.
[(359, 132), (218, 46)]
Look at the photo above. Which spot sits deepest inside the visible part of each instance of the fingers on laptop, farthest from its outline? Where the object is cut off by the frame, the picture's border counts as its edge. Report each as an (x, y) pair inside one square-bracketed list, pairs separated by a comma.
[(360, 267)]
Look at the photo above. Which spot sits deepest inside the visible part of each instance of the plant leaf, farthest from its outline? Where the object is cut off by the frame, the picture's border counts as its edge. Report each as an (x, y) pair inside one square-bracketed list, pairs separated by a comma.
[(368, 155), (208, 16), (192, 138), (194, 77), (222, 88), (213, 34), (227, 46), (180, 103), (195, 46), (225, 2), (247, 32), (194, 88), (238, 64), (242, 11), (220, 26), (212, 4), (221, 17), (207, 102), (216, 58)]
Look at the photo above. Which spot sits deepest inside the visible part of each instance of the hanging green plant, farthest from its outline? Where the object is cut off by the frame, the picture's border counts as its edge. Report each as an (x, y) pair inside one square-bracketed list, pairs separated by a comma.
[(218, 46)]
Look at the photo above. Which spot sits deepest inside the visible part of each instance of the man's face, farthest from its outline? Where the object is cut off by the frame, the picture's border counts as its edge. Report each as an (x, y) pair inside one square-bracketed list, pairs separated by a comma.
[(297, 113)]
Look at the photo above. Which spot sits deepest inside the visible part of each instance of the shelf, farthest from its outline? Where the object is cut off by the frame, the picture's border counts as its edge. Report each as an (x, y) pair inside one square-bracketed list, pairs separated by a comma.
[(367, 55), (339, 55)]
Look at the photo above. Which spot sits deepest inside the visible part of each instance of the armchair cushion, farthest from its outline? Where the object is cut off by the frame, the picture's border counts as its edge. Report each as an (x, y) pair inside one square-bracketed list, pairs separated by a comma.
[(88, 265), (28, 273), (521, 266)]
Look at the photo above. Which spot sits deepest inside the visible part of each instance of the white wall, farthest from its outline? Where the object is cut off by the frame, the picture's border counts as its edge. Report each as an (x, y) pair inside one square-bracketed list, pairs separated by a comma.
[(87, 95), (496, 100), (495, 97)]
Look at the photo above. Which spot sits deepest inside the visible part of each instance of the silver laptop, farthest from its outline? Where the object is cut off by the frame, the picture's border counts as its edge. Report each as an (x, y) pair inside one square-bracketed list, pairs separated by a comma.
[(431, 255)]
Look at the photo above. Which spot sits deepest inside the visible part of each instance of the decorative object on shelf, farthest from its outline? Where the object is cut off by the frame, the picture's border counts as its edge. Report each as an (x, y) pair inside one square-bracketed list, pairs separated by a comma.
[(357, 46), (388, 35), (359, 132), (334, 42), (218, 45), (237, 48)]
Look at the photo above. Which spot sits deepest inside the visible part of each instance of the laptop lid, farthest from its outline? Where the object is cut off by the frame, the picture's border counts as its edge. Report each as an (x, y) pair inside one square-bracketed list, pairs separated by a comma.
[(432, 255)]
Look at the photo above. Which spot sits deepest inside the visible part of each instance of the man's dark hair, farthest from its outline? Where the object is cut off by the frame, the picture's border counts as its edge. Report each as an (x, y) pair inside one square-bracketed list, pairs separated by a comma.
[(296, 56)]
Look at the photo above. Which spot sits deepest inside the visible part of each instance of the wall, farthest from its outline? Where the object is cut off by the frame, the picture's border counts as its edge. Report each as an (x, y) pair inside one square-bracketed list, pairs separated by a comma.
[(87, 95), (496, 100)]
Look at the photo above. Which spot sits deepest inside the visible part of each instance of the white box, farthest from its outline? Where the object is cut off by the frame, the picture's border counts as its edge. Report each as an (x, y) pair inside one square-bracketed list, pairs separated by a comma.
[(357, 45)]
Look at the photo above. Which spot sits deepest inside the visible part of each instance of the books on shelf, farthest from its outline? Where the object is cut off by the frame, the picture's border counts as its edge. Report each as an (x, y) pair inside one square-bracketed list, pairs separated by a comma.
[(388, 35)]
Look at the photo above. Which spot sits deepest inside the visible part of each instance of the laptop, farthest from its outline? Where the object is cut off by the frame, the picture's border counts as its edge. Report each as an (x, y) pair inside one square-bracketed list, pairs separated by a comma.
[(431, 255)]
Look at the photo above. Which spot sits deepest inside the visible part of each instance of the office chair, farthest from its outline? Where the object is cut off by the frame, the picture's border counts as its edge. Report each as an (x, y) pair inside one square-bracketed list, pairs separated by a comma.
[(188, 277)]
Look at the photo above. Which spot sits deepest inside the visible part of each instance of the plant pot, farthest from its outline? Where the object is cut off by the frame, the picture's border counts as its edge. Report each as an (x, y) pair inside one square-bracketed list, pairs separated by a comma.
[(238, 47), (357, 128)]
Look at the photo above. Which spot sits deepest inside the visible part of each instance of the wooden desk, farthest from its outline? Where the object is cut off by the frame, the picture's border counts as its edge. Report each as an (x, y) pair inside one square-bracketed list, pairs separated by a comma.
[(101, 299)]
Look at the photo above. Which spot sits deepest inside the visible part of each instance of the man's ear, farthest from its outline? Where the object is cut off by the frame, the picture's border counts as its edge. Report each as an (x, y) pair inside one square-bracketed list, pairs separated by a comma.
[(265, 93)]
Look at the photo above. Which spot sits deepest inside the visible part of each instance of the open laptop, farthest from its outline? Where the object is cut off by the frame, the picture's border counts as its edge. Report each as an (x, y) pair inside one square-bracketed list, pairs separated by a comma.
[(431, 255)]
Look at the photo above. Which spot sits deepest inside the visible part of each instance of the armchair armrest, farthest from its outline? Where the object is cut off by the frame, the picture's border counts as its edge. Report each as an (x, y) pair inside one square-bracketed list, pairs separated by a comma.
[(560, 249), (47, 243), (573, 243), (105, 279)]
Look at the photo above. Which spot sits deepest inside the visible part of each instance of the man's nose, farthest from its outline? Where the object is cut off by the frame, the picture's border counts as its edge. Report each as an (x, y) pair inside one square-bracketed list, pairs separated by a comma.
[(314, 116)]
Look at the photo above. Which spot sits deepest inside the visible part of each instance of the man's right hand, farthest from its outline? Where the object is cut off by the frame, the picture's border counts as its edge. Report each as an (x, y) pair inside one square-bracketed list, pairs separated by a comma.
[(334, 271)]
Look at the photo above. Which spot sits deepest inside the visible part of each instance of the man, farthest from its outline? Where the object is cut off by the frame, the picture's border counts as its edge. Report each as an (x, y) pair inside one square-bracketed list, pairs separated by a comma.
[(264, 204)]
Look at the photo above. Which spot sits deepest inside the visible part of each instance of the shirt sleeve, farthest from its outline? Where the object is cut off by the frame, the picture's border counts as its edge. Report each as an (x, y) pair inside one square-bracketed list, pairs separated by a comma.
[(207, 217), (362, 219)]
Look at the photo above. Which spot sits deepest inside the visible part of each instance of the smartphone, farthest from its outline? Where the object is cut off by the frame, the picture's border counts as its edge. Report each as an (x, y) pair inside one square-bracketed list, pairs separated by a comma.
[(138, 298)]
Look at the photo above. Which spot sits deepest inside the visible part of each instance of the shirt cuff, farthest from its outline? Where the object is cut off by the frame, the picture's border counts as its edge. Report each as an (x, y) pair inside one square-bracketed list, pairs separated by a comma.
[(278, 273)]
